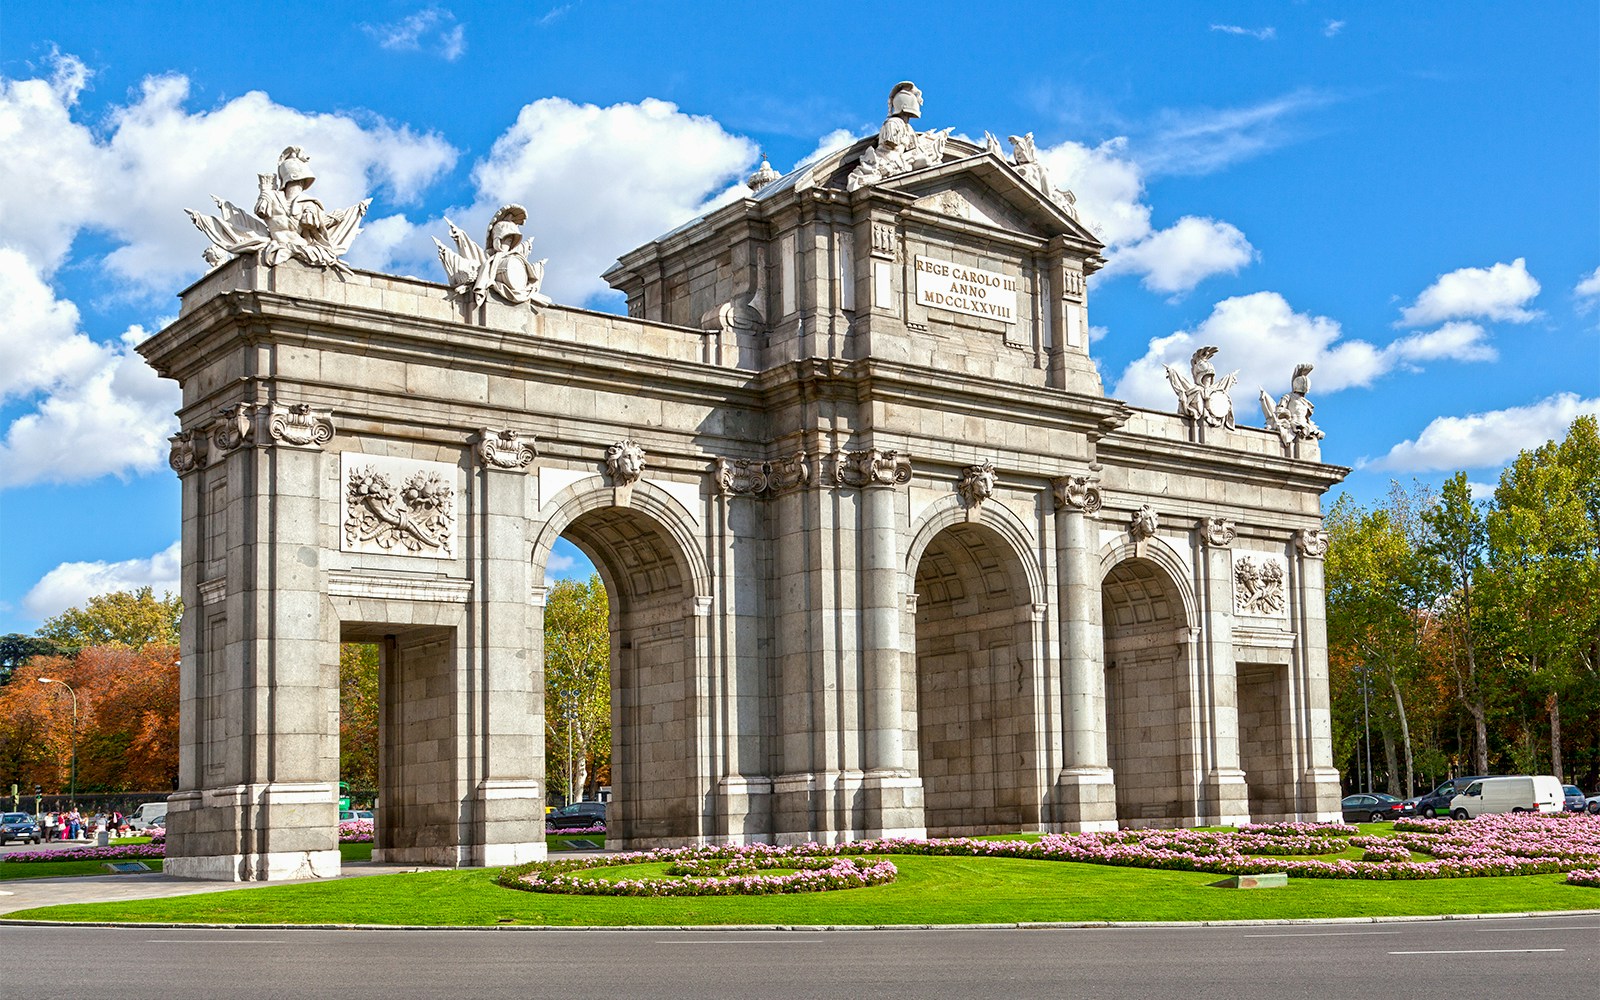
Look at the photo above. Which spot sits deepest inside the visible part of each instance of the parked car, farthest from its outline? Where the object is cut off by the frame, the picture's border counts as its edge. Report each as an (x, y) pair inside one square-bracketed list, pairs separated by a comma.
[(1511, 794), (577, 816), (1370, 807), (19, 827), (1575, 802), (1437, 802), (147, 815), (1592, 804)]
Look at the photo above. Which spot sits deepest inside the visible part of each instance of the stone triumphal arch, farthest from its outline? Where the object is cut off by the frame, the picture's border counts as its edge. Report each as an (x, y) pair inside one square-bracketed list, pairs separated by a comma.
[(884, 558)]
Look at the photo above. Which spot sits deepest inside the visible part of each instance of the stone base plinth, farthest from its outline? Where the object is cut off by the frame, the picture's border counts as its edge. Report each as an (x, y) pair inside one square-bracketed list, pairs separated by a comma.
[(1320, 796), (744, 810), (1227, 799), (1084, 801), (263, 867), (894, 807), (290, 828)]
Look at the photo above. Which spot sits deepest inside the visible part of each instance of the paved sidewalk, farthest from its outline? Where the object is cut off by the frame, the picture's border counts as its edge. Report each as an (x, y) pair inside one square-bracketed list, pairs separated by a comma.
[(23, 894)]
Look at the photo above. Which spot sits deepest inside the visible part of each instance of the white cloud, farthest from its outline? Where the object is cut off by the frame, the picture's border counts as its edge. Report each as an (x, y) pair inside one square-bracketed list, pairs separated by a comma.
[(1332, 28), (72, 584), (40, 344), (1457, 341), (1109, 187), (103, 411), (598, 182), (1259, 34), (1262, 336), (434, 26), (837, 139), (111, 420), (59, 179), (1485, 440), (553, 14), (53, 174), (1497, 293), (1587, 291), (1178, 258), (1198, 141)]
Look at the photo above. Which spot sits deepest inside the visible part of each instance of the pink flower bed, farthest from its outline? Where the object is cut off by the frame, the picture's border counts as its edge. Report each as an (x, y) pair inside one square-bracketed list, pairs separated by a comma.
[(703, 871), (118, 852), (1525, 844), (580, 830), (355, 831)]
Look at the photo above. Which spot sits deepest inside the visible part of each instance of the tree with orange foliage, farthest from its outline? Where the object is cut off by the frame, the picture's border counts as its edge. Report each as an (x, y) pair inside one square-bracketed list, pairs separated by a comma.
[(127, 725)]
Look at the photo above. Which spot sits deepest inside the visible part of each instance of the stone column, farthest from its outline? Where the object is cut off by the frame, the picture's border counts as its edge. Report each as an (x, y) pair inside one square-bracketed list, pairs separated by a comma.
[(798, 802), (1225, 796), (265, 806), (893, 795), (509, 747), (1313, 721), (1085, 793), (744, 785)]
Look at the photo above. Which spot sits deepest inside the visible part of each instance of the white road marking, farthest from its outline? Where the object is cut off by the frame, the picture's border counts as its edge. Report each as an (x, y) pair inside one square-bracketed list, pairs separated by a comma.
[(1515, 930), (1479, 951), (211, 941), (1321, 934), (819, 939)]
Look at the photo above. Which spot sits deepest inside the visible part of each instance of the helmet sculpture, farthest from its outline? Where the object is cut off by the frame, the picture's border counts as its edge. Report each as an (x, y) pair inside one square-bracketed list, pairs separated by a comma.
[(294, 165), (905, 99)]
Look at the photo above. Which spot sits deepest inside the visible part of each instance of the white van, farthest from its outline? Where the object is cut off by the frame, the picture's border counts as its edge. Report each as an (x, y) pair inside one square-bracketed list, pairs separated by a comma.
[(148, 815), (1516, 793)]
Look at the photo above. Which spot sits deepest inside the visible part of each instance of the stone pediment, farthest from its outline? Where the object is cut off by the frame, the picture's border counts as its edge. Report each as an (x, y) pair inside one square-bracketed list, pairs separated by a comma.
[(984, 189)]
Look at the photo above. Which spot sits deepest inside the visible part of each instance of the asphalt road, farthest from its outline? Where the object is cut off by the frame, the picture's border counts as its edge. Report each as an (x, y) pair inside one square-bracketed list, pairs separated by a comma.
[(1493, 958)]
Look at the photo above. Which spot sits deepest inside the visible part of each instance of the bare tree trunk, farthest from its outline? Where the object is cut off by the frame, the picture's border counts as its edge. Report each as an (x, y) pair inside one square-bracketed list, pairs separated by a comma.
[(1390, 763), (1405, 735), (1474, 700), (1553, 706)]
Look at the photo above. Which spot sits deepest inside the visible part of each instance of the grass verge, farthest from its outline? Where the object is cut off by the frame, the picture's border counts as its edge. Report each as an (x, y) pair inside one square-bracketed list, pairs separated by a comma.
[(929, 891)]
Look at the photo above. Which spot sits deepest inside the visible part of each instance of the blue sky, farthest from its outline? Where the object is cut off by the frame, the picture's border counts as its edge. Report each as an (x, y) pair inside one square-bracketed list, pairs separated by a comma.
[(1410, 200)]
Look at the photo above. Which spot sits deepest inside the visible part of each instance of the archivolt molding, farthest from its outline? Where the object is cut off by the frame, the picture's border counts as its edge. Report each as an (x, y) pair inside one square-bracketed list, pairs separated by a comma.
[(950, 510), (648, 499), (1154, 550)]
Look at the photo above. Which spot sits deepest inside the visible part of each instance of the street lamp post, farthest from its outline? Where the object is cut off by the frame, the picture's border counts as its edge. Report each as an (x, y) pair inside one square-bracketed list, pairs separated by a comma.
[(73, 795)]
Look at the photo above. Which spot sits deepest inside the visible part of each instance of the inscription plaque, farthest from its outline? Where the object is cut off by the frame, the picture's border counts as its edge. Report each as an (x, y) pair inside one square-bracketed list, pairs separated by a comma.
[(973, 291)]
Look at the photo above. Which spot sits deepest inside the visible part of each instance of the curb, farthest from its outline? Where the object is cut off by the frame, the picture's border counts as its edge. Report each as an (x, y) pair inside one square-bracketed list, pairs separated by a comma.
[(818, 928)]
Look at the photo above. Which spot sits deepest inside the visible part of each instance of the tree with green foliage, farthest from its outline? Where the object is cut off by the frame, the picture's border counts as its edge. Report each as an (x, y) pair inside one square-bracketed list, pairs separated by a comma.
[(1458, 538), (577, 683), (358, 715), (1379, 586), (1541, 581), (17, 649), (134, 620)]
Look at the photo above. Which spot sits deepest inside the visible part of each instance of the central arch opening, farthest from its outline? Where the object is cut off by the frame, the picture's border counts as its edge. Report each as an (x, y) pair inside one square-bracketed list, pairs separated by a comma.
[(1147, 694), (975, 701), (654, 780)]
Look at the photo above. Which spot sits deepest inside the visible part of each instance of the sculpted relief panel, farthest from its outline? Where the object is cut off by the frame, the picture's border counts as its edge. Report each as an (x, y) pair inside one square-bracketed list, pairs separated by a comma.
[(1258, 584), (397, 506)]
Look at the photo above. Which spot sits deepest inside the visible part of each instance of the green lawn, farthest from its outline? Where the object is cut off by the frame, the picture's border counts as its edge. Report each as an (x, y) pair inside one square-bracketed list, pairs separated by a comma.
[(928, 891)]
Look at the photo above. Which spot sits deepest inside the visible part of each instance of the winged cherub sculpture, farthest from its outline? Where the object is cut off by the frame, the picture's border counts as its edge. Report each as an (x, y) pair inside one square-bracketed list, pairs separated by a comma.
[(287, 222), (1205, 399), (500, 266)]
